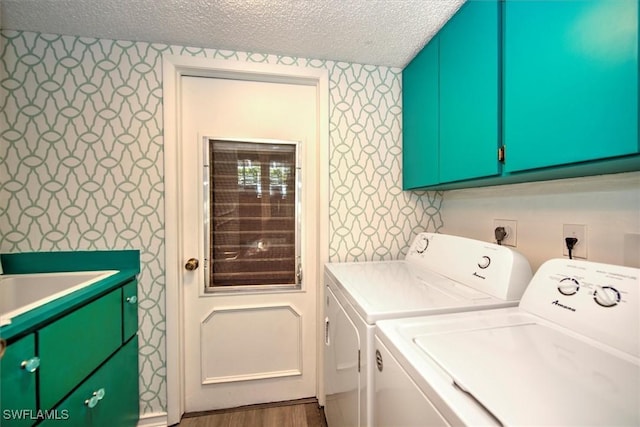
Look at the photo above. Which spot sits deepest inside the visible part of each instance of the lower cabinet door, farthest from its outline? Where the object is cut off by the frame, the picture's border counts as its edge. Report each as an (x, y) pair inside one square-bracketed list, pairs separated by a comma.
[(72, 347), (18, 369), (129, 310), (107, 398)]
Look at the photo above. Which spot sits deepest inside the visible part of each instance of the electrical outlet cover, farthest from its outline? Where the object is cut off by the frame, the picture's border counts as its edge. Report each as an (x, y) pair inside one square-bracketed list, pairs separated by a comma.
[(511, 226), (579, 231)]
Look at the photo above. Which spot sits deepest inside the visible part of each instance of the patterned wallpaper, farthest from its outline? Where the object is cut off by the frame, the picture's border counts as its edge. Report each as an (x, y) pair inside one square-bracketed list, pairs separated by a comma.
[(81, 162)]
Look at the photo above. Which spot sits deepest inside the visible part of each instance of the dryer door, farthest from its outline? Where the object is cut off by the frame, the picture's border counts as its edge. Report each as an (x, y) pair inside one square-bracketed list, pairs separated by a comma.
[(341, 365)]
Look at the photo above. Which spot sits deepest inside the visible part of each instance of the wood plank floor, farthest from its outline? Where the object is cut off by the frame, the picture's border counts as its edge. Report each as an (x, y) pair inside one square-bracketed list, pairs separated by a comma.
[(298, 413)]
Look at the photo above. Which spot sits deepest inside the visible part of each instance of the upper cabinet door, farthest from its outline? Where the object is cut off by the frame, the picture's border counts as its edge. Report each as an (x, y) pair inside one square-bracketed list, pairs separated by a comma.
[(570, 81), (420, 119), (469, 92)]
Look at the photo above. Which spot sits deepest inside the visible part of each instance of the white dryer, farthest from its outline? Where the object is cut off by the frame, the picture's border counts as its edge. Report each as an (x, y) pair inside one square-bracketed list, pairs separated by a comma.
[(440, 274), (568, 355)]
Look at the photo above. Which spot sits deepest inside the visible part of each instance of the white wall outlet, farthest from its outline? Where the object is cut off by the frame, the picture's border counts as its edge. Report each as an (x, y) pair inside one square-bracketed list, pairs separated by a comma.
[(511, 226), (579, 231)]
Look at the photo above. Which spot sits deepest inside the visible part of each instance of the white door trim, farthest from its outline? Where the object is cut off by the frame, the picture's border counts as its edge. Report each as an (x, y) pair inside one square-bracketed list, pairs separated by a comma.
[(173, 68)]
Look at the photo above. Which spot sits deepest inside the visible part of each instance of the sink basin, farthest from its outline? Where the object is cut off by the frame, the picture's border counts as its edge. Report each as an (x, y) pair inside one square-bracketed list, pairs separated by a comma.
[(20, 293)]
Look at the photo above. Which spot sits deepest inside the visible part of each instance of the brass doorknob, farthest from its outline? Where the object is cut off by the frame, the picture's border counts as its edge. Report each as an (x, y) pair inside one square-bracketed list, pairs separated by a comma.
[(192, 264)]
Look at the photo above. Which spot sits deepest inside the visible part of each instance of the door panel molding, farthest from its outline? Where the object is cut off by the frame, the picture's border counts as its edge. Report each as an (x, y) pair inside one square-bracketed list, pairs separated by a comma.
[(228, 329)]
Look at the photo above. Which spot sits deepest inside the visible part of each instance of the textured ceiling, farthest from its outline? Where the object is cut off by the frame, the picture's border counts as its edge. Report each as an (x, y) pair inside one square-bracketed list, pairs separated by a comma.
[(379, 32)]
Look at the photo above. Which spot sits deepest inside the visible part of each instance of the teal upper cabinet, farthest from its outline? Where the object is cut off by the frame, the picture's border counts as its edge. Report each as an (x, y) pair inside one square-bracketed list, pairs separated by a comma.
[(451, 101), (552, 84), (570, 81), (469, 82), (420, 118)]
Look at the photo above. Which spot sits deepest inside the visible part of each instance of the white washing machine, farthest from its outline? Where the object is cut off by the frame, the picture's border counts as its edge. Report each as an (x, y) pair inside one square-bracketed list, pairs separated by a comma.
[(440, 274), (568, 355)]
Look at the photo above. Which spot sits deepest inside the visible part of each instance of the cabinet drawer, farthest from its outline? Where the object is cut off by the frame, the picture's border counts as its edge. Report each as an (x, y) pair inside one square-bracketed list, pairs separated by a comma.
[(17, 384), (117, 382), (129, 310), (75, 345)]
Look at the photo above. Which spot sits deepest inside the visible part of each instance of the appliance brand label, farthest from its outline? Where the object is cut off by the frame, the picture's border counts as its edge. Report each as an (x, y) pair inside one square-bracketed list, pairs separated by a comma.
[(559, 304)]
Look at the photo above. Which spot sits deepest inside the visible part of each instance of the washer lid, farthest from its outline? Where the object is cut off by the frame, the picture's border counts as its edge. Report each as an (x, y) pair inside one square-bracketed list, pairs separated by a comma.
[(387, 289), (533, 374)]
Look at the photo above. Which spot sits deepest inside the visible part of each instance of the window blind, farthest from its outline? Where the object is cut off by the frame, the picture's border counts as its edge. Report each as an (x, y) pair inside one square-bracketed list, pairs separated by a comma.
[(252, 213)]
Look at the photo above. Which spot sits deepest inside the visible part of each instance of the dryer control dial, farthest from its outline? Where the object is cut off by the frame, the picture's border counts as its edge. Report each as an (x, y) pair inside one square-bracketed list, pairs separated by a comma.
[(606, 296), (568, 286), (484, 262), (422, 245)]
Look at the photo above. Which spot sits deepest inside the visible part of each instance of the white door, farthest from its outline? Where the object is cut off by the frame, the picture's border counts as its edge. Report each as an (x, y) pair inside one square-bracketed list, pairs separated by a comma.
[(246, 347)]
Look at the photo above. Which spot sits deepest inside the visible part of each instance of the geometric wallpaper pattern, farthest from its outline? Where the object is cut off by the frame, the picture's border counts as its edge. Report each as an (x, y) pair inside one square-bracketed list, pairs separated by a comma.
[(81, 162)]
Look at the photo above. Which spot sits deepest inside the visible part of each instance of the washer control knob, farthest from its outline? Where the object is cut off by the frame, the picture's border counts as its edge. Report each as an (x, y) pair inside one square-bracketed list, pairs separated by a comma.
[(484, 262), (568, 286), (422, 245), (606, 296)]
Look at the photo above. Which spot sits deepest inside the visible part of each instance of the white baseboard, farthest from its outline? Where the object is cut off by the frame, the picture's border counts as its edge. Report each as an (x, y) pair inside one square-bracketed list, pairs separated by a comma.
[(157, 419)]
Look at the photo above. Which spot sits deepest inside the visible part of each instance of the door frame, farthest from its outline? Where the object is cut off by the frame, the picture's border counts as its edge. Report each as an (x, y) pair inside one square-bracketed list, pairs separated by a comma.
[(173, 68)]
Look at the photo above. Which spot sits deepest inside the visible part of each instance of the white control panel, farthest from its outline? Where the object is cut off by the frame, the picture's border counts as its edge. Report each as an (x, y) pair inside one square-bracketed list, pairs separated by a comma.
[(601, 301), (495, 270), (604, 295)]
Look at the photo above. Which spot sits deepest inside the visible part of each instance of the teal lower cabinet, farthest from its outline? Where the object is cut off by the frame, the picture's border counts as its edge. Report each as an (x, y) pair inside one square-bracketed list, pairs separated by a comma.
[(89, 363), (18, 370), (77, 366), (109, 397), (72, 347)]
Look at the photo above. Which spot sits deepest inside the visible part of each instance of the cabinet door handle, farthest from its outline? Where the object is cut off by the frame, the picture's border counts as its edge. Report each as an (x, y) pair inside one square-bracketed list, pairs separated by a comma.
[(31, 365), (132, 300), (95, 398)]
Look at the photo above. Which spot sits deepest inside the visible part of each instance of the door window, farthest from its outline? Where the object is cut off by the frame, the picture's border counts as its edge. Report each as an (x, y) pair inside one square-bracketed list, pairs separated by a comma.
[(252, 220)]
